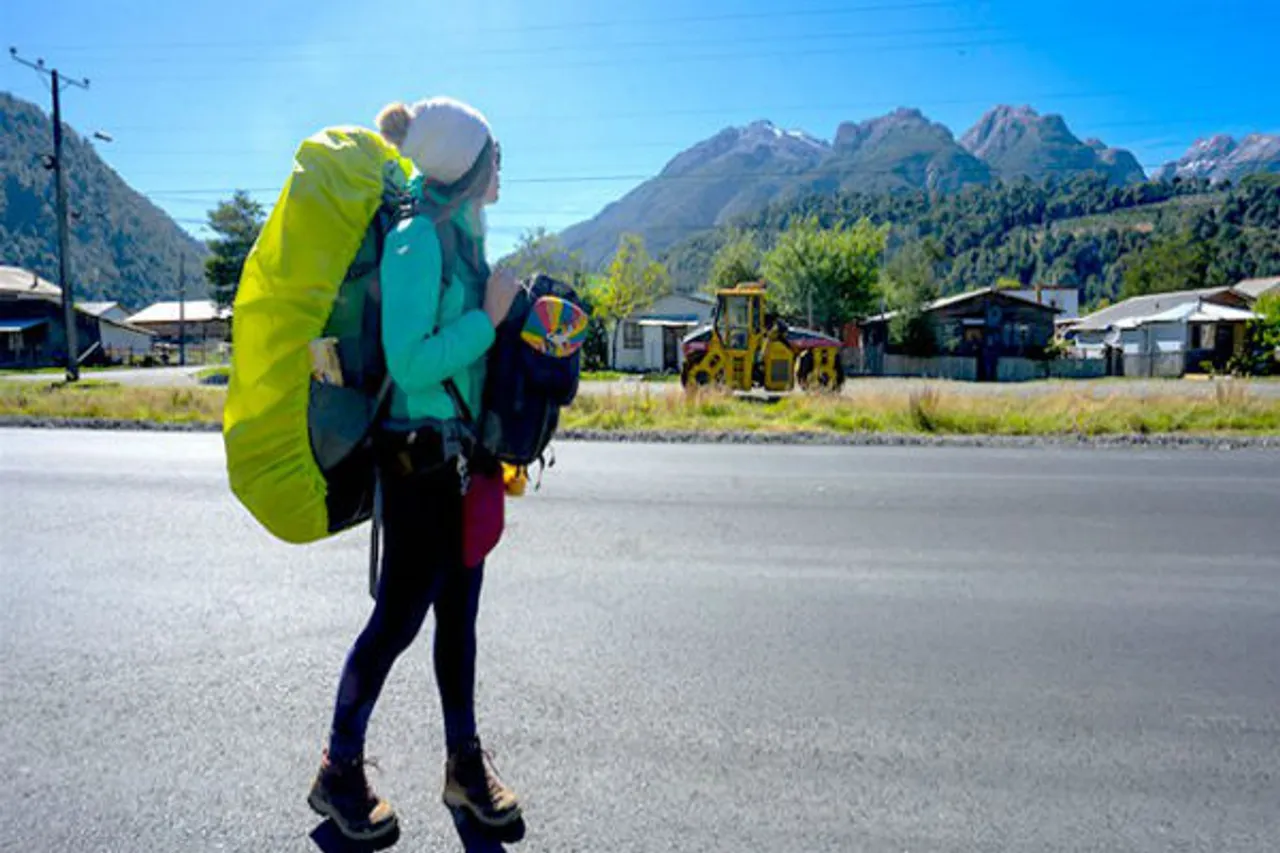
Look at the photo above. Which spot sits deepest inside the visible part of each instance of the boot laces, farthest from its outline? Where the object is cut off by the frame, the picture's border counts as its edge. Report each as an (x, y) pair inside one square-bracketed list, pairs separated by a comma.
[(491, 778), (486, 767), (354, 780)]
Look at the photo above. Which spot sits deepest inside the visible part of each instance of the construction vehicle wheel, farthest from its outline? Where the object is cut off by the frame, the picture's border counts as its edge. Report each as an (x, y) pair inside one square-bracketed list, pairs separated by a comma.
[(824, 379), (813, 376), (804, 368), (705, 377), (689, 368)]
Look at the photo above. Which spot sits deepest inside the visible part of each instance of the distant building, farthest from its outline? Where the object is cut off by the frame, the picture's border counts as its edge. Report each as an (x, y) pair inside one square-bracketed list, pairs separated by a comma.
[(1065, 299), (1165, 334), (983, 325), (1256, 288), (108, 310), (205, 327), (122, 341), (651, 338), (33, 333)]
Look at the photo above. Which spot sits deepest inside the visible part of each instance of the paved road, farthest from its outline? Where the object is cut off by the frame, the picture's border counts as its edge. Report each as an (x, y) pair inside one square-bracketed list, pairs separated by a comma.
[(684, 648), (162, 377)]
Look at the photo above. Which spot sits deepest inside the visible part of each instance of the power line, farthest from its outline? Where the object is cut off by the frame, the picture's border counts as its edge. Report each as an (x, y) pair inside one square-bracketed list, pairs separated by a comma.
[(618, 178), (444, 55), (534, 218), (508, 118), (54, 162), (792, 13), (653, 59), (646, 176), (690, 229)]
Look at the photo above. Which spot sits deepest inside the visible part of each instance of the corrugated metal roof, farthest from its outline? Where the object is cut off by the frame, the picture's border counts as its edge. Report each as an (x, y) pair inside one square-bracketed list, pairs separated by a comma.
[(20, 281), (127, 326), (1139, 307), (1192, 312), (1255, 287), (1211, 313), (97, 309), (197, 311), (11, 326), (670, 323), (675, 318), (947, 301)]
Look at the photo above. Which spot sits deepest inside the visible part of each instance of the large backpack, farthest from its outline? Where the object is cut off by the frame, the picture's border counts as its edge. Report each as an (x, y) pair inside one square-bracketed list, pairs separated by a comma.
[(533, 371), (308, 379)]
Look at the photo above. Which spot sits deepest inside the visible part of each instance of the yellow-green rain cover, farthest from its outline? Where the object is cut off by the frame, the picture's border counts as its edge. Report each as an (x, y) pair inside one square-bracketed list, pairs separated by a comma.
[(287, 290)]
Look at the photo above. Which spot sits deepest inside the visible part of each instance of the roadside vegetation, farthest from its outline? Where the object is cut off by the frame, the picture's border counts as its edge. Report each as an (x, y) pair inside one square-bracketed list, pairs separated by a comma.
[(1086, 410), (95, 399), (928, 409)]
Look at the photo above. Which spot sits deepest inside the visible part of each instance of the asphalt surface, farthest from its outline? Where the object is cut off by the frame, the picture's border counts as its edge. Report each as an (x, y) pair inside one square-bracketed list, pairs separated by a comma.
[(682, 648), (153, 377)]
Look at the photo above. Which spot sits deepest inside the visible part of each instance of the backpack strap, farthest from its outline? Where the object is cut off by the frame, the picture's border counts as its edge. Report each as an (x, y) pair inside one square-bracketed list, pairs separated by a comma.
[(447, 233), (389, 213), (401, 207), (375, 535)]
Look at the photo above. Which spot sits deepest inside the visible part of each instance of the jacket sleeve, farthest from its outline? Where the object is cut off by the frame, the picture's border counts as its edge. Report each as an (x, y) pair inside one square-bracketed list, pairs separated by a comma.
[(411, 268)]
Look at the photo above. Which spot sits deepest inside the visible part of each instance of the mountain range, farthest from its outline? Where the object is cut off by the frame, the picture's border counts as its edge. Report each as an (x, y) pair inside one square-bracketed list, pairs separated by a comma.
[(741, 169), (1017, 142), (1222, 158), (125, 248), (122, 246)]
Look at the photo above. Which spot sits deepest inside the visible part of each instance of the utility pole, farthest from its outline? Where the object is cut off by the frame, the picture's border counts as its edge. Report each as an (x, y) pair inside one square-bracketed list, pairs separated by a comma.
[(182, 310), (57, 83)]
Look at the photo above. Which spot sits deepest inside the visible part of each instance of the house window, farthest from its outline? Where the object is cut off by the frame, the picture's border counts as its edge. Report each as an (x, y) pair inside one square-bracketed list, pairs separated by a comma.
[(632, 335), (1207, 336)]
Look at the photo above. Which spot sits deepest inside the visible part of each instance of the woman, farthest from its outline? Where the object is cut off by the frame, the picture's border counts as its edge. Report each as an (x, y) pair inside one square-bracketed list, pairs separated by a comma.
[(435, 335)]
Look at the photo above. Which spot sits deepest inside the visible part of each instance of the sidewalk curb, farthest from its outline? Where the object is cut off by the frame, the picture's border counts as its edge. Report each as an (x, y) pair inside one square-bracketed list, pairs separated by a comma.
[(794, 439)]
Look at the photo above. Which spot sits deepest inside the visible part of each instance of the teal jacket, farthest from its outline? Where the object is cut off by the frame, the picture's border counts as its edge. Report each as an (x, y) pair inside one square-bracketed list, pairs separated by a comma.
[(420, 358)]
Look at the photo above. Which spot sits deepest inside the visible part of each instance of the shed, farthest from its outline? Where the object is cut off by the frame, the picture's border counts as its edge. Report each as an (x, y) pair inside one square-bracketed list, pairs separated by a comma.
[(32, 326), (985, 325), (651, 338)]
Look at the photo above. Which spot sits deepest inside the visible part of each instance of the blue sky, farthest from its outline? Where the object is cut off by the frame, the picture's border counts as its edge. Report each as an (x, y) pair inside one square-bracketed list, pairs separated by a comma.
[(204, 97)]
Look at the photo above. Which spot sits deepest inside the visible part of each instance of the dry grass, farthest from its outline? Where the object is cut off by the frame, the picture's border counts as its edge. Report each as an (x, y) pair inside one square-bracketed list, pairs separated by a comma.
[(1091, 410), (95, 399), (1083, 411)]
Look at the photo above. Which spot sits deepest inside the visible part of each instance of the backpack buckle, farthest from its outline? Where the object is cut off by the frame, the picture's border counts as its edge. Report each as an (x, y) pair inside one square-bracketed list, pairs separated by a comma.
[(464, 475)]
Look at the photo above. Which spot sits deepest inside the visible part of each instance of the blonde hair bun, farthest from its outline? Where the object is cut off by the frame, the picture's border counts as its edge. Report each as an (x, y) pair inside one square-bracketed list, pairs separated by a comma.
[(393, 123)]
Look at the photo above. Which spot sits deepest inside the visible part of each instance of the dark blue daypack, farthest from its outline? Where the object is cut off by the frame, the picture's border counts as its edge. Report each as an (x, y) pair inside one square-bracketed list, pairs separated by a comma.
[(526, 389)]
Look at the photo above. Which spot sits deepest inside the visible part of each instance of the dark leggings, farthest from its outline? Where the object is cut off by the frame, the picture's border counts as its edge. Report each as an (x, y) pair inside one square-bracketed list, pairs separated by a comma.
[(421, 567)]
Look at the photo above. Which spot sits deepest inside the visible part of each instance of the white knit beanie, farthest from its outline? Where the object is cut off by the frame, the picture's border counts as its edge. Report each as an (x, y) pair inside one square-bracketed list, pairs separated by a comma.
[(445, 137)]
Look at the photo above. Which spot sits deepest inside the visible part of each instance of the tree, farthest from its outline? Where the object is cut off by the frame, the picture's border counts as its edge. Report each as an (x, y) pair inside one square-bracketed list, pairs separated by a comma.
[(540, 251), (1079, 231), (911, 283), (1178, 262), (1264, 334), (237, 222), (827, 275), (634, 282), (595, 349), (737, 261)]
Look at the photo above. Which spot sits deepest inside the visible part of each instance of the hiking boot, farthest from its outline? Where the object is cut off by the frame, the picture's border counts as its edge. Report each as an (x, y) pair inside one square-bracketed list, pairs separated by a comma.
[(472, 783), (341, 793)]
